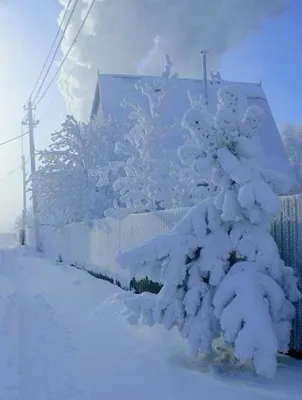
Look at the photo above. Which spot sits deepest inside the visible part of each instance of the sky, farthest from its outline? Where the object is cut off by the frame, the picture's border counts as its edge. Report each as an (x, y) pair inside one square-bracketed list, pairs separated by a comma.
[(261, 43)]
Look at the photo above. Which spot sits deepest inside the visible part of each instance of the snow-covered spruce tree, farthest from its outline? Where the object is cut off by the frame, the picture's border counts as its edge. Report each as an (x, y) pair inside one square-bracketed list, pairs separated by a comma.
[(150, 179), (67, 179), (220, 267)]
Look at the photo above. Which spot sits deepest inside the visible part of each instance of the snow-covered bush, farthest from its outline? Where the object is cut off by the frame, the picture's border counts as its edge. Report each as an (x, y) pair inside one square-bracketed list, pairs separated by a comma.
[(67, 178), (220, 267), (292, 139)]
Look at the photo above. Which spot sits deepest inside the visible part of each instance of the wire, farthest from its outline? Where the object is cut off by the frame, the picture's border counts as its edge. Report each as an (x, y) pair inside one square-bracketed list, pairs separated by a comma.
[(80, 54), (51, 49), (14, 138), (67, 53), (10, 173), (56, 51), (86, 43)]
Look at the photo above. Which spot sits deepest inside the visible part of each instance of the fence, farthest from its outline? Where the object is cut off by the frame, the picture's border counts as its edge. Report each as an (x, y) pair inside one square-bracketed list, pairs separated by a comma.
[(287, 231), (94, 248)]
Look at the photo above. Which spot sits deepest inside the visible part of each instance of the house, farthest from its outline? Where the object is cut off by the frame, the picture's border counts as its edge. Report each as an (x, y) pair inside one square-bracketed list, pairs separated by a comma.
[(111, 90)]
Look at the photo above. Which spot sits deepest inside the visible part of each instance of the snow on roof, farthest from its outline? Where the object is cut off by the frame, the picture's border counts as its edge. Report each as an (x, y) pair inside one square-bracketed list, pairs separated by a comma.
[(113, 89)]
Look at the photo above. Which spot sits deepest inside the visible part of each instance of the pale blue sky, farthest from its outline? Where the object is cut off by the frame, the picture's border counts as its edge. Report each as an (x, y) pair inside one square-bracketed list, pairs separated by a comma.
[(27, 28), (274, 55)]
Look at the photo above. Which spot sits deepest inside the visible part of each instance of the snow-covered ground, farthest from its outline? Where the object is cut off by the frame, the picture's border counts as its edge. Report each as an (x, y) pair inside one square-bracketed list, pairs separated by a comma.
[(63, 336), (8, 240)]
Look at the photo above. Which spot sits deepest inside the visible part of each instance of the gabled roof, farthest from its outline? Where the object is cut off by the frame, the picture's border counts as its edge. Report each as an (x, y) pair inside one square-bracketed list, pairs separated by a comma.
[(111, 90)]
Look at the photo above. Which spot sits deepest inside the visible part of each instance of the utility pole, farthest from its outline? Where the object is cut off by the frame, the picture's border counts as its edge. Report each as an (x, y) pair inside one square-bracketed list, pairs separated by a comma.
[(31, 125), (22, 232), (205, 74)]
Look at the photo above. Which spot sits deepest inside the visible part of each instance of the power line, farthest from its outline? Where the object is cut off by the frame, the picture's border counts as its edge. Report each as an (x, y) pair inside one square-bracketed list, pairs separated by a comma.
[(67, 53), (14, 170), (83, 49), (56, 51), (87, 41), (14, 138), (10, 173), (51, 49)]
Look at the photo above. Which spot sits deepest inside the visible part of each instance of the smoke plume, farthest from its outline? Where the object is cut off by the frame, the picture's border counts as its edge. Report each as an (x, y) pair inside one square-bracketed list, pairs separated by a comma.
[(132, 36)]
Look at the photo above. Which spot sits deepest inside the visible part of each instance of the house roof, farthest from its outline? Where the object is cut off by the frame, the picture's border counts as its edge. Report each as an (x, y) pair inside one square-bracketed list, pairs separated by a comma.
[(113, 89)]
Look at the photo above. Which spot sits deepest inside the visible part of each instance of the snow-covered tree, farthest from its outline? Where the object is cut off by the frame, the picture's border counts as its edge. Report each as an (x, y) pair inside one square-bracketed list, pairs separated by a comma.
[(146, 183), (220, 267), (150, 179), (67, 179), (292, 139), (195, 173)]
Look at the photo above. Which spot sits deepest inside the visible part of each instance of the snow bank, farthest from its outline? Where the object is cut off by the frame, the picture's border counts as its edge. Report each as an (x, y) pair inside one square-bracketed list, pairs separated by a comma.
[(8, 239)]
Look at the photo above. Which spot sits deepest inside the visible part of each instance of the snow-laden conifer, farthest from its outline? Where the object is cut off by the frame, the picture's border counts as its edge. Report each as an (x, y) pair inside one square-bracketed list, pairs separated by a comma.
[(220, 267)]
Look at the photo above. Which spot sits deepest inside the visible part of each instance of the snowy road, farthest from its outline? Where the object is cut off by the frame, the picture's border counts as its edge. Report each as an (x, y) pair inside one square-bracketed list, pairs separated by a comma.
[(63, 337), (35, 342)]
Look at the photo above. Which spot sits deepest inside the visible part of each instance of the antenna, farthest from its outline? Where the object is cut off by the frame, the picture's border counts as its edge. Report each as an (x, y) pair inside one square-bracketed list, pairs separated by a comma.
[(205, 78)]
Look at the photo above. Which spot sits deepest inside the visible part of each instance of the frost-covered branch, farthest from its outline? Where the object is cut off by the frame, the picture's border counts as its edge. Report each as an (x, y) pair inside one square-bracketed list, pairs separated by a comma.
[(67, 180), (153, 176), (148, 180)]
